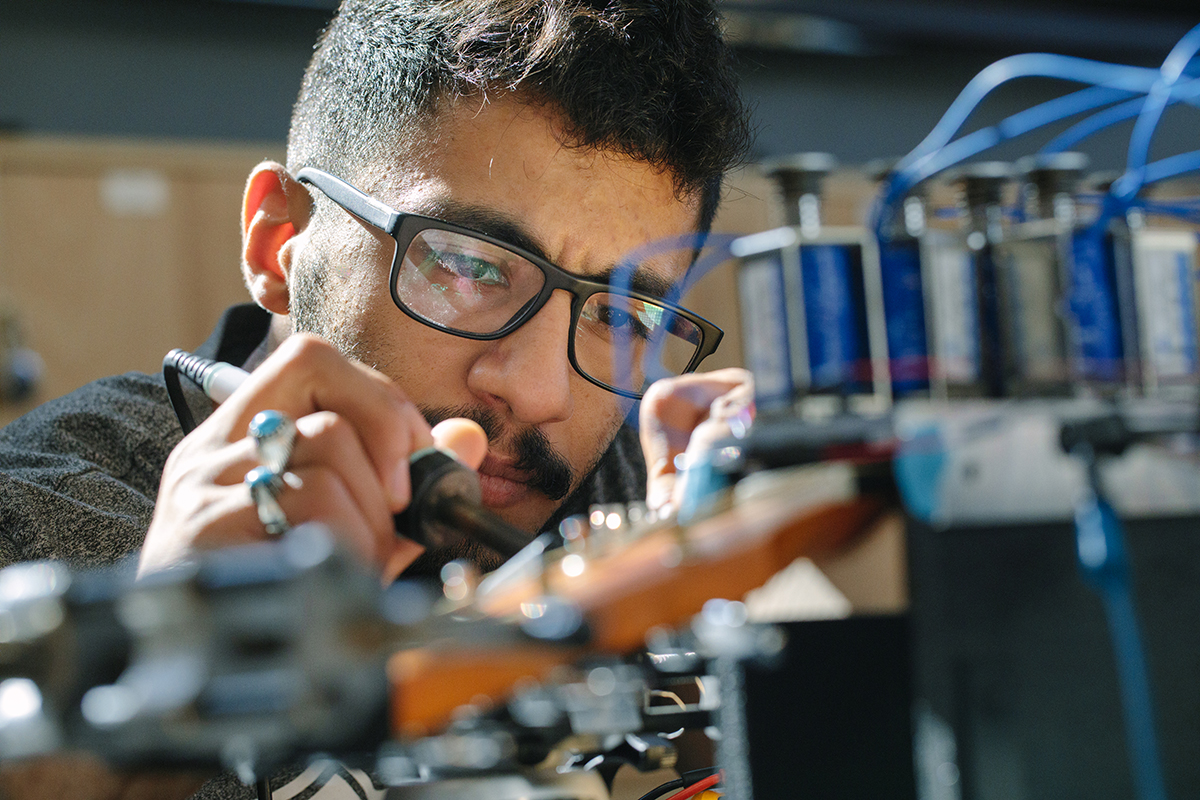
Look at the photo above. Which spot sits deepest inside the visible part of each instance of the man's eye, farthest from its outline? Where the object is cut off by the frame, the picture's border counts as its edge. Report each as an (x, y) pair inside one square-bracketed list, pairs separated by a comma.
[(615, 319), (465, 267)]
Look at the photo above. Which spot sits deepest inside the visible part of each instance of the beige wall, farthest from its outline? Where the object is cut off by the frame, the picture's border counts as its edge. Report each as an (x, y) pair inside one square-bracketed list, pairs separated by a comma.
[(113, 252)]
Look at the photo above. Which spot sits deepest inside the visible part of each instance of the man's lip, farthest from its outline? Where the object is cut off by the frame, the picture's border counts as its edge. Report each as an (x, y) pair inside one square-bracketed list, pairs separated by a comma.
[(498, 467), (501, 483)]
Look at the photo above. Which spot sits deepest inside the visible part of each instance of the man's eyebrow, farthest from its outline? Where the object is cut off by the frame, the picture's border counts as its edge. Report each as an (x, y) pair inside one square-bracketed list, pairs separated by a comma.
[(509, 230), (486, 220), (643, 281)]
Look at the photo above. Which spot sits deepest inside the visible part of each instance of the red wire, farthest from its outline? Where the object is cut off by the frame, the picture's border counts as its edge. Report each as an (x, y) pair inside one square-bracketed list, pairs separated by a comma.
[(696, 788)]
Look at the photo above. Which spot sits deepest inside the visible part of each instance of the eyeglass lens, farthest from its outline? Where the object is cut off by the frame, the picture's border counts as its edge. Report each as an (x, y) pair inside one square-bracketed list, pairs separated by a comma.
[(466, 285)]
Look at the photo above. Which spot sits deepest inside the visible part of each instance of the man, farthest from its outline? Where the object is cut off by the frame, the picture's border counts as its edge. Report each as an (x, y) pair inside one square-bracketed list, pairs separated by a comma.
[(568, 134)]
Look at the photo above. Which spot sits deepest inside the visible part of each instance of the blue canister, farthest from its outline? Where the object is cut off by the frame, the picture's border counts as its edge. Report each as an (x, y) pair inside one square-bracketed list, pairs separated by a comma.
[(904, 310), (839, 358), (1098, 346)]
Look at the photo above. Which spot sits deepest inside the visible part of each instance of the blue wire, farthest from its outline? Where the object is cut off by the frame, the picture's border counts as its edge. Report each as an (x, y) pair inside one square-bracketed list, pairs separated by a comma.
[(1159, 96), (913, 170), (1134, 80), (1137, 174), (1171, 167), (974, 143), (1188, 92), (1123, 194), (1103, 561), (1111, 82), (1174, 210), (1018, 124)]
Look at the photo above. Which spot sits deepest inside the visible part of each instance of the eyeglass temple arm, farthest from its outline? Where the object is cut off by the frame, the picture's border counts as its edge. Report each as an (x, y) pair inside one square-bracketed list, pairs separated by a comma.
[(360, 205)]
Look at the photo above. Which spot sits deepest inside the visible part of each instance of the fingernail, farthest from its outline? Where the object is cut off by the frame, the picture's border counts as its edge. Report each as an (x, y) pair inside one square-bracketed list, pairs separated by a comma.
[(654, 499), (658, 494)]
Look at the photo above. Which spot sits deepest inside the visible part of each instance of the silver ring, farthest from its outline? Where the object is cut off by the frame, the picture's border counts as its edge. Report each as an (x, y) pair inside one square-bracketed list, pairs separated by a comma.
[(265, 485), (274, 435)]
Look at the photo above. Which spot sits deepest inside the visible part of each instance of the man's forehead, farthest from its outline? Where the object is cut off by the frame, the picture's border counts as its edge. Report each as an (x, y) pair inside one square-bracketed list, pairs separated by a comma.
[(502, 166)]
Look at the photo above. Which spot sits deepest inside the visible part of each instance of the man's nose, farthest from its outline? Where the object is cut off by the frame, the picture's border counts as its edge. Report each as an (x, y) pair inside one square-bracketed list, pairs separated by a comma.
[(529, 370)]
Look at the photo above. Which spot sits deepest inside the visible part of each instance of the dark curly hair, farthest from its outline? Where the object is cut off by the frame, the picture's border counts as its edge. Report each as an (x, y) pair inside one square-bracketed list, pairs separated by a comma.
[(651, 79)]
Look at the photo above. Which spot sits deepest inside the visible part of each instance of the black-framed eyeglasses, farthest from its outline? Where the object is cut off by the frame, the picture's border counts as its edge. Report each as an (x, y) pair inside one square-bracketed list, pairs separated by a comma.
[(472, 285)]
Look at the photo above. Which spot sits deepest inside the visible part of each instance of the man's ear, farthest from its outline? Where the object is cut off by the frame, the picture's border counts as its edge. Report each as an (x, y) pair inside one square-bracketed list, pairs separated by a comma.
[(274, 209)]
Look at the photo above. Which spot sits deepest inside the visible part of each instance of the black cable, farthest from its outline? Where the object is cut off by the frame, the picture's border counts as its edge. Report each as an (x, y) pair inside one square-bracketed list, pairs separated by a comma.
[(264, 788), (198, 369), (659, 791), (175, 391), (688, 778)]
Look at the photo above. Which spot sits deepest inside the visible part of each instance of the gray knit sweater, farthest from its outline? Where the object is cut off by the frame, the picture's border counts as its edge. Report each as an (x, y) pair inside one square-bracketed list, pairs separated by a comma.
[(79, 475)]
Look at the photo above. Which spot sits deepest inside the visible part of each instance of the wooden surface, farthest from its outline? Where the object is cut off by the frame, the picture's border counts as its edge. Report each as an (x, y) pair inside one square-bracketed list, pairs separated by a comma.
[(79, 776), (660, 579), (625, 594)]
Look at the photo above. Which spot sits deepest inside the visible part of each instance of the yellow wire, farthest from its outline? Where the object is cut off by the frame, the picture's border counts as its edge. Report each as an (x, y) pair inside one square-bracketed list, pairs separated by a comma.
[(670, 696)]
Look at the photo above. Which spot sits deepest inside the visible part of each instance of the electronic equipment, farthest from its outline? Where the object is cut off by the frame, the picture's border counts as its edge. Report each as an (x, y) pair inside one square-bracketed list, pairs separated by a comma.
[(813, 302), (256, 655), (1046, 300)]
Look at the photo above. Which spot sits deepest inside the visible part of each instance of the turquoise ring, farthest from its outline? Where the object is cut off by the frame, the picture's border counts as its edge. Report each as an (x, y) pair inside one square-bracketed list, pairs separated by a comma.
[(265, 485), (274, 436)]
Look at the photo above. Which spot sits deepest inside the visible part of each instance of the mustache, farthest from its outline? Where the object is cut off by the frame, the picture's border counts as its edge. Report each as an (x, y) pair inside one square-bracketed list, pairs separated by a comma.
[(549, 472)]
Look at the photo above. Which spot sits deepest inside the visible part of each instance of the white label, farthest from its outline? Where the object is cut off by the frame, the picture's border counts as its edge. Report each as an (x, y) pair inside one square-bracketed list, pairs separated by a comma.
[(1033, 293), (764, 327), (135, 193), (956, 331), (1164, 264)]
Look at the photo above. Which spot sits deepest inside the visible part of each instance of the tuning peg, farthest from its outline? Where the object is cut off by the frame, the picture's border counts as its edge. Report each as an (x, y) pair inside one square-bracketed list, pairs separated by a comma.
[(460, 578), (607, 517), (608, 525), (639, 514), (574, 532)]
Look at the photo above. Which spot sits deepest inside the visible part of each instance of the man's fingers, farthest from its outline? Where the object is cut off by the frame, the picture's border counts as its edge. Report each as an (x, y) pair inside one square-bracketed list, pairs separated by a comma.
[(355, 433), (306, 375), (322, 496), (324, 440), (309, 494), (660, 490), (687, 414), (671, 409), (327, 440)]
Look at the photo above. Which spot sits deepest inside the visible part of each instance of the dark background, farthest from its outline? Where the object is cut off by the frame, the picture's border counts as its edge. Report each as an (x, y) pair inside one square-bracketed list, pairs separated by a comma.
[(858, 78)]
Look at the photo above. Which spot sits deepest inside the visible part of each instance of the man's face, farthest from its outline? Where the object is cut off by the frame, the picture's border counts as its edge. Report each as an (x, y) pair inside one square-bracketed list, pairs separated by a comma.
[(582, 209)]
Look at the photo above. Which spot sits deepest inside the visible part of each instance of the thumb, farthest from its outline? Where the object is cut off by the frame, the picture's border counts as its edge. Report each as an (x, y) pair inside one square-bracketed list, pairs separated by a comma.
[(464, 438)]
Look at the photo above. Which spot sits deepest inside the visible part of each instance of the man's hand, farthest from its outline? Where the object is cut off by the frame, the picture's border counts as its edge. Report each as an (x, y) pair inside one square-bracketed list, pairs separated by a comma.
[(684, 416), (356, 431)]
